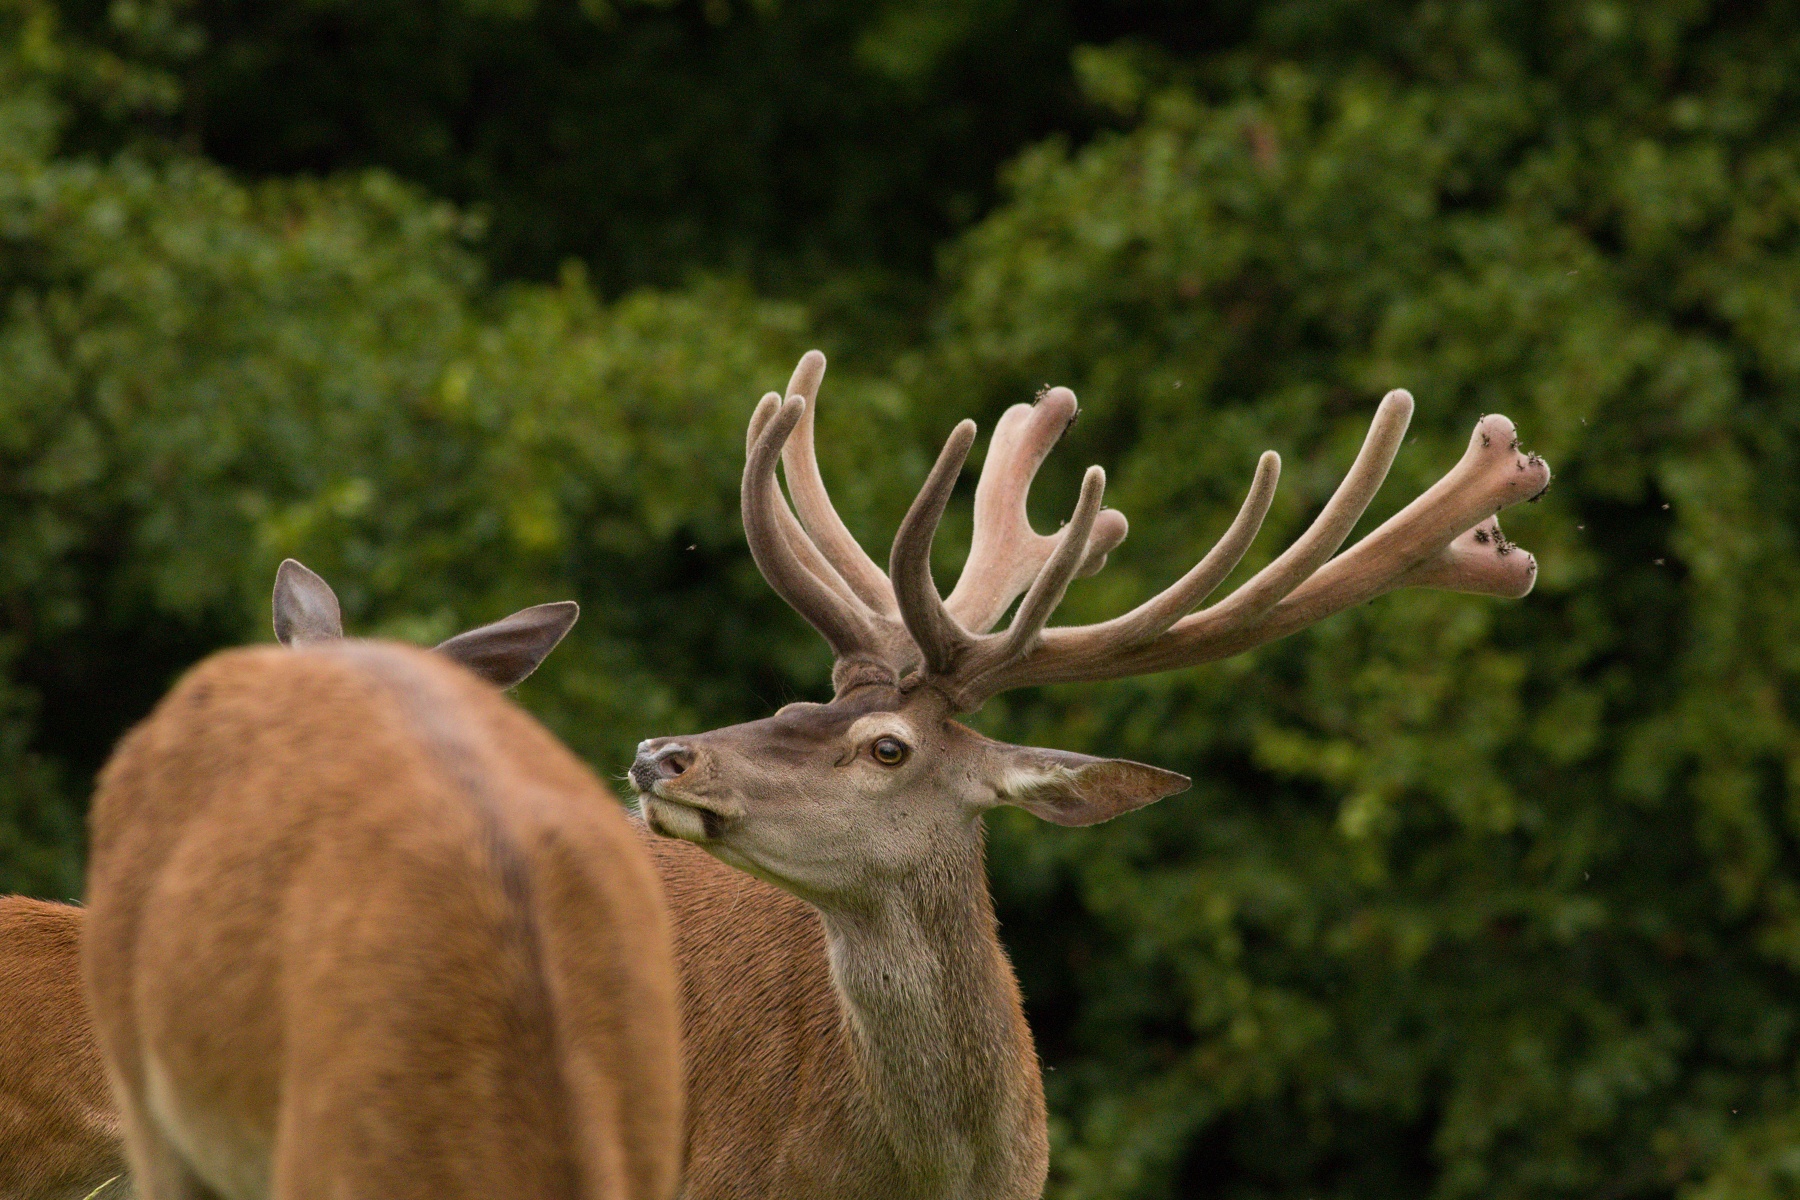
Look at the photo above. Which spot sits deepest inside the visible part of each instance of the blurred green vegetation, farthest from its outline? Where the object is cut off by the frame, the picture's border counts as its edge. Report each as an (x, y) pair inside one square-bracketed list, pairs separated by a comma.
[(1470, 898)]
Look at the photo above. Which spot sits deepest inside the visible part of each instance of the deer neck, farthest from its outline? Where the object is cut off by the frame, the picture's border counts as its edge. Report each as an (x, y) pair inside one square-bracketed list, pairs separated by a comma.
[(933, 1014)]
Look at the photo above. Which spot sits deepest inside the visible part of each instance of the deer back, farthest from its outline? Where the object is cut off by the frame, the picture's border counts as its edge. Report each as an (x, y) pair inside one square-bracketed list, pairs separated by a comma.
[(359, 924)]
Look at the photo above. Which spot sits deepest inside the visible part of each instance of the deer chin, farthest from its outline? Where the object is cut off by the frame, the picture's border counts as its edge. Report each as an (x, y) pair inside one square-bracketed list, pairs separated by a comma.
[(680, 817)]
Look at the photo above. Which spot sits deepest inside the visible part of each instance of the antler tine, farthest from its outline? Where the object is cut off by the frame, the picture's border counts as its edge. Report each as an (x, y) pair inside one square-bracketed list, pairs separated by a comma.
[(792, 533), (1154, 616), (1418, 546), (817, 514), (1322, 538), (1053, 580), (783, 553), (1005, 553), (1481, 562), (941, 641)]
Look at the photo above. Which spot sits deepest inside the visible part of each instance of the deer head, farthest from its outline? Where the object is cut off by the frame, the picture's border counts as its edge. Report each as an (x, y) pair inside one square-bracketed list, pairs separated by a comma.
[(504, 652), (834, 801)]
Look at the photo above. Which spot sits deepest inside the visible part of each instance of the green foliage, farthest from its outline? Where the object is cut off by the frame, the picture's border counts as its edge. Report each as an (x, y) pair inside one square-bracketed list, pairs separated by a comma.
[(1470, 898), (822, 145), (1473, 899), (197, 379)]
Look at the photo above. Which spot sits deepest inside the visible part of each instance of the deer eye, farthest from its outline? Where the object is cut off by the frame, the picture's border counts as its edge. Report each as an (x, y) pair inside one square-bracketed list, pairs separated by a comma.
[(889, 752)]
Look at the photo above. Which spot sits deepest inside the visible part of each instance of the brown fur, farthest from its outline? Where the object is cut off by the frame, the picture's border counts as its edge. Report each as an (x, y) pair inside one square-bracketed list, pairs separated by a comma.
[(358, 926), (59, 1133), (767, 1066), (776, 1103)]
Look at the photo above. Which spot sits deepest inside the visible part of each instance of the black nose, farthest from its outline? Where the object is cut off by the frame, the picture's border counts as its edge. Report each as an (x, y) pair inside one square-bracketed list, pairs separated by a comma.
[(657, 762)]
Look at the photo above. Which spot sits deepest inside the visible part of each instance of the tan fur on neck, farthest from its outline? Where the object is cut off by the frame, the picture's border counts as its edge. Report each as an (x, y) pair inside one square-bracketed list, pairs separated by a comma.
[(793, 1092)]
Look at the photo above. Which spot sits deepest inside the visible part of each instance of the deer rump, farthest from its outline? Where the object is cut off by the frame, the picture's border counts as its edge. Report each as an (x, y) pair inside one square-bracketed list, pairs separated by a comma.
[(360, 926)]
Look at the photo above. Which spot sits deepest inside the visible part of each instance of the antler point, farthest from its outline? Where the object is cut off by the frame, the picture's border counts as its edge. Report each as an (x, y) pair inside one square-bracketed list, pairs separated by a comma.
[(1398, 398), (1058, 401)]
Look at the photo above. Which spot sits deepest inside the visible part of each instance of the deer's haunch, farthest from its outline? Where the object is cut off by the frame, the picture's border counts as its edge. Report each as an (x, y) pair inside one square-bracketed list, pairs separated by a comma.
[(853, 1027), (359, 926), (59, 1129)]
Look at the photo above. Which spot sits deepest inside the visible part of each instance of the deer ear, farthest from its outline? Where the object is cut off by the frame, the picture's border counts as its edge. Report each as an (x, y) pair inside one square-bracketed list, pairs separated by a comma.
[(306, 609), (1074, 789), (505, 652)]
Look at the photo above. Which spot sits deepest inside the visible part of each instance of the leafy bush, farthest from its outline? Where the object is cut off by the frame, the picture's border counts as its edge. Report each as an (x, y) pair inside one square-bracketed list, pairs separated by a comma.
[(1471, 899), (198, 378)]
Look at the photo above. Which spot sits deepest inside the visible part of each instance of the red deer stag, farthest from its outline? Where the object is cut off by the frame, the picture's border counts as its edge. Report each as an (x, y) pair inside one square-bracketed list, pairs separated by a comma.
[(358, 926), (59, 1130), (855, 1030)]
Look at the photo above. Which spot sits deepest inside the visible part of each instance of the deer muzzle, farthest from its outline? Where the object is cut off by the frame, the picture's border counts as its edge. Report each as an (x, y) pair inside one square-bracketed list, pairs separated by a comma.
[(659, 759)]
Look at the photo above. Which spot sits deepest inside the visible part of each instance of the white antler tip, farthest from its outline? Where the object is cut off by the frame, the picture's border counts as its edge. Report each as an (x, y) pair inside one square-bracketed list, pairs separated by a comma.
[(759, 418), (1055, 410), (1388, 428), (1510, 474), (1532, 476), (1530, 578), (809, 372), (1110, 528), (1480, 561), (1496, 434), (956, 446), (1503, 569)]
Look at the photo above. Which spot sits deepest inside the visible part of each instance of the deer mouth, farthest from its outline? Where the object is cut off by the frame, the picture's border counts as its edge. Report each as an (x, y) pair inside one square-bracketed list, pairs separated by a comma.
[(680, 816)]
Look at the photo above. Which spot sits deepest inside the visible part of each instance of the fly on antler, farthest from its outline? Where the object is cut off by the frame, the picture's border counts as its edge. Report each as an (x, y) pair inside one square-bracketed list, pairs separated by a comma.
[(924, 1082)]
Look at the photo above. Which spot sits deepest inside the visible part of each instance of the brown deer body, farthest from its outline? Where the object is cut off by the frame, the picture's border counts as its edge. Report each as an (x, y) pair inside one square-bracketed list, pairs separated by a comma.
[(853, 1027), (59, 1131), (358, 926), (59, 1128)]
